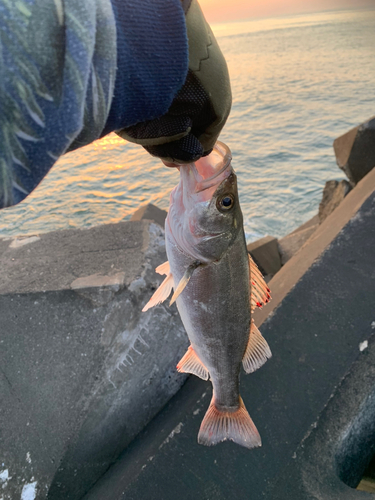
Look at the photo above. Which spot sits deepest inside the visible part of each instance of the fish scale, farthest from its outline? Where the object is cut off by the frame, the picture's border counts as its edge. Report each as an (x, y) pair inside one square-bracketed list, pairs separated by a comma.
[(209, 316)]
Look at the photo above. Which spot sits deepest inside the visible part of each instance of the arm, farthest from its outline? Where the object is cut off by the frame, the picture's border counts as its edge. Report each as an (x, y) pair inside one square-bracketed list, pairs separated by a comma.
[(58, 76), (71, 72)]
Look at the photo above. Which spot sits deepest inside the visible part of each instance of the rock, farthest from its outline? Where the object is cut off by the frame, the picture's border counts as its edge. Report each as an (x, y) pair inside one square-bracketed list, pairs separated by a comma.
[(333, 194), (266, 254), (355, 151), (150, 212), (82, 369), (290, 244)]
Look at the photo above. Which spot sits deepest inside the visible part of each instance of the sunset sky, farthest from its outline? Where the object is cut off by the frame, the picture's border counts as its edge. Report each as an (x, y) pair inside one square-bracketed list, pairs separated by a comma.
[(217, 11)]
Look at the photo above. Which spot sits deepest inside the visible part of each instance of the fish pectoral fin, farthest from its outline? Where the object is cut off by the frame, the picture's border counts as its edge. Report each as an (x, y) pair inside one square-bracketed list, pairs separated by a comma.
[(260, 293), (235, 426), (257, 350), (161, 294), (191, 363), (184, 280), (163, 268)]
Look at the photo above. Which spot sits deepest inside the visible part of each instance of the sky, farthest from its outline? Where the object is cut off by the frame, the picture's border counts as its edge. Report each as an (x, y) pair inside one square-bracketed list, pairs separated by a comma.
[(217, 11)]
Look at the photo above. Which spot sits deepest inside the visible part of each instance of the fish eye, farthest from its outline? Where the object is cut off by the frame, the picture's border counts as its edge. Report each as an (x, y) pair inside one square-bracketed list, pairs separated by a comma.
[(226, 202)]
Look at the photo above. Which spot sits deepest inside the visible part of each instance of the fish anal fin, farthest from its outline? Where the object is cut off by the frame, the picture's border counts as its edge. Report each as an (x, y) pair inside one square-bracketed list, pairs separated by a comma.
[(235, 426), (184, 281), (257, 350), (191, 363), (161, 294), (260, 293), (163, 268)]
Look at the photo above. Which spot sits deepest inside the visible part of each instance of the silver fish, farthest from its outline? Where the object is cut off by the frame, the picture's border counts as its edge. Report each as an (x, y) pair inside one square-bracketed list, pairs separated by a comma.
[(217, 286)]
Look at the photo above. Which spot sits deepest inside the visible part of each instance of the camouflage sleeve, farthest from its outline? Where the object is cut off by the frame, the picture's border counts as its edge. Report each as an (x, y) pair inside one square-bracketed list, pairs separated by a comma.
[(59, 76)]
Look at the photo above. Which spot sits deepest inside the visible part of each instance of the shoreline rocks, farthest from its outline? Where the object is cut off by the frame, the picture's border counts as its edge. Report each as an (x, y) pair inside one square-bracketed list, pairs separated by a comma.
[(266, 255), (355, 155), (333, 194), (355, 151)]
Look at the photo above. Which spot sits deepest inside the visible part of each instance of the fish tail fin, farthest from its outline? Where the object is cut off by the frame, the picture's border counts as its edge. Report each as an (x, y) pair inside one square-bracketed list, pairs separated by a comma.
[(235, 426)]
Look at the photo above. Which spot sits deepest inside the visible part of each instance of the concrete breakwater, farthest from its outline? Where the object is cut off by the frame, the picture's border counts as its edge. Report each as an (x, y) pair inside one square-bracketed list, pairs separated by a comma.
[(83, 371)]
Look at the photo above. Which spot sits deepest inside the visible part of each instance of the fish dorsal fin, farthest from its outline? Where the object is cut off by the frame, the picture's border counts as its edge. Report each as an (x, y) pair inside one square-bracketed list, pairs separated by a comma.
[(163, 268), (260, 293), (257, 350), (184, 280), (161, 294), (191, 363)]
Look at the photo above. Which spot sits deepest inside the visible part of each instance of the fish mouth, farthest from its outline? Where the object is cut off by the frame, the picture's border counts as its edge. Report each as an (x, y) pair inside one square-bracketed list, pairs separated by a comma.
[(211, 170), (190, 205)]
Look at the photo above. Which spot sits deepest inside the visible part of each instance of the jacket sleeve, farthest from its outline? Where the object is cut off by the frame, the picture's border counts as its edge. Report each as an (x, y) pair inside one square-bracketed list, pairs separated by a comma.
[(71, 72)]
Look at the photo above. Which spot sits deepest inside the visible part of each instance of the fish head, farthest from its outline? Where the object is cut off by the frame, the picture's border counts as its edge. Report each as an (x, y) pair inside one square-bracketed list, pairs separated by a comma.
[(205, 215)]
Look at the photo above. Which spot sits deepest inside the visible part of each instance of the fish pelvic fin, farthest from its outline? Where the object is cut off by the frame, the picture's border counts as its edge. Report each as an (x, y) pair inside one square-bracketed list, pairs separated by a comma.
[(257, 350), (191, 363), (260, 293), (161, 294), (163, 268), (235, 426), (184, 280)]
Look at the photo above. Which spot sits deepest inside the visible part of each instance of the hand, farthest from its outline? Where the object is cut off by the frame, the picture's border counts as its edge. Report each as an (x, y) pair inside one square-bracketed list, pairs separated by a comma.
[(200, 109)]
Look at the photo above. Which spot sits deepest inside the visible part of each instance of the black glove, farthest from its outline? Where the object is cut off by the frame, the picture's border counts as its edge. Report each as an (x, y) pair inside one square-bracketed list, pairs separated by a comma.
[(200, 109)]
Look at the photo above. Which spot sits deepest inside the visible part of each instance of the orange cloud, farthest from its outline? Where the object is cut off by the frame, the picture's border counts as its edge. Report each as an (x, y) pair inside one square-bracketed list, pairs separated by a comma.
[(234, 10)]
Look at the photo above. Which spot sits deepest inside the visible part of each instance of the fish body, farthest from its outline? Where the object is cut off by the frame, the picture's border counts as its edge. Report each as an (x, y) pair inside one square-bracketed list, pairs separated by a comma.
[(210, 271)]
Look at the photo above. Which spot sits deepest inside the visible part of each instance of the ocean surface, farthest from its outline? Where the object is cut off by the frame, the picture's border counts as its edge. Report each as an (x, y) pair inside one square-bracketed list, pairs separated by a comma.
[(298, 82)]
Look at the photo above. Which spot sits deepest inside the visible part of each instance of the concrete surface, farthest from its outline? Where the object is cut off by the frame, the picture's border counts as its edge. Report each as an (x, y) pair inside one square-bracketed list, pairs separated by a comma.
[(291, 243), (150, 212), (333, 194), (265, 253), (82, 370), (305, 401), (355, 151), (337, 449)]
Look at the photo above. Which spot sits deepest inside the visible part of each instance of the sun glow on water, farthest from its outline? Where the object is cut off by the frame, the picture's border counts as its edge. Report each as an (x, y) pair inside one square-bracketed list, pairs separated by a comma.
[(282, 22)]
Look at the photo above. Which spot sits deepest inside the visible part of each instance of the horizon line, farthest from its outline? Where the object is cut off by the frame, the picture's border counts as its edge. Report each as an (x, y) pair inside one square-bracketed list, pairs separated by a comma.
[(280, 16)]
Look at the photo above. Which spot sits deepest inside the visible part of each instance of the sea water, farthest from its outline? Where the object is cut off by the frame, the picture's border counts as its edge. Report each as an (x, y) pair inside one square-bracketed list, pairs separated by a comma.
[(298, 82)]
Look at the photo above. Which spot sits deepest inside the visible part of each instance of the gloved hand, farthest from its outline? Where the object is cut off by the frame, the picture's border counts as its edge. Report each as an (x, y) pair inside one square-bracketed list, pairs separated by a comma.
[(200, 109)]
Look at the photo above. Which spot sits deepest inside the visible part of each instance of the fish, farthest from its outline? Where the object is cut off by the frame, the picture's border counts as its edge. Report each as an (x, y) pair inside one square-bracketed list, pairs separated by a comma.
[(216, 288)]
